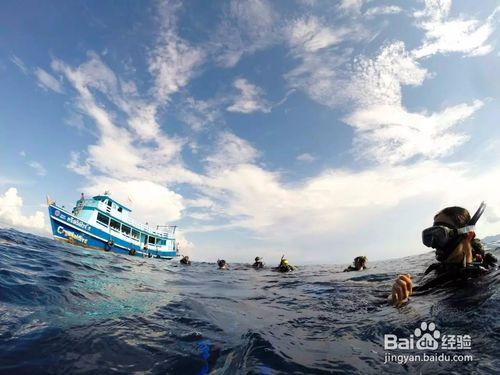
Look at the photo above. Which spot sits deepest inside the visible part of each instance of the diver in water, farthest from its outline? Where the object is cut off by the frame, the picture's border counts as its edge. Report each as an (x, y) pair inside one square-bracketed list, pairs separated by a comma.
[(359, 264), (185, 260), (222, 264), (258, 263), (284, 266), (459, 254)]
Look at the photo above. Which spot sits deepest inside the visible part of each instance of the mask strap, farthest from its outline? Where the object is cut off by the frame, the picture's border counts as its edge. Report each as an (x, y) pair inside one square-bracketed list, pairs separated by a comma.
[(467, 229)]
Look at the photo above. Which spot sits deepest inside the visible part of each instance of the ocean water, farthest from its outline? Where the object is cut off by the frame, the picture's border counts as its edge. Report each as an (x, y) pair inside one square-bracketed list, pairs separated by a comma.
[(64, 309)]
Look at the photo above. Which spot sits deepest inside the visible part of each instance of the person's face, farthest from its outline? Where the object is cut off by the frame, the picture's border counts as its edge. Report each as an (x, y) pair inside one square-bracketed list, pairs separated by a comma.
[(457, 255)]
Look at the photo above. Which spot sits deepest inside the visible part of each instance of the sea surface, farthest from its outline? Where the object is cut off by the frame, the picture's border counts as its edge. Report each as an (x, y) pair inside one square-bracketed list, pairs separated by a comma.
[(64, 310)]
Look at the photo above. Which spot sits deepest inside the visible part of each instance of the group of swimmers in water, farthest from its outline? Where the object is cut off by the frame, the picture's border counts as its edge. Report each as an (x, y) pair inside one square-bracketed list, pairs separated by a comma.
[(284, 266), (459, 254)]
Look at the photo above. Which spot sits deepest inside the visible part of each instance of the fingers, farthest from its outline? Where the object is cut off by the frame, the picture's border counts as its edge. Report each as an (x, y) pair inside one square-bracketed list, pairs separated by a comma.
[(409, 284), (398, 294), (402, 289), (395, 297)]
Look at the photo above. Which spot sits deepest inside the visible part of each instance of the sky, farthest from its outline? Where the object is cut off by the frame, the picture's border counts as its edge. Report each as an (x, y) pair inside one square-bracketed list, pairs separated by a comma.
[(318, 129)]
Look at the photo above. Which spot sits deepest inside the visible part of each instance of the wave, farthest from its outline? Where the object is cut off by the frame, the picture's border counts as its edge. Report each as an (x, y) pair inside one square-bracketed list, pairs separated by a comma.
[(64, 309)]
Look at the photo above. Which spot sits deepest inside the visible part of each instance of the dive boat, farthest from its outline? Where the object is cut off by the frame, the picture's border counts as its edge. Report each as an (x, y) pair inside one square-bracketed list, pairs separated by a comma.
[(103, 223)]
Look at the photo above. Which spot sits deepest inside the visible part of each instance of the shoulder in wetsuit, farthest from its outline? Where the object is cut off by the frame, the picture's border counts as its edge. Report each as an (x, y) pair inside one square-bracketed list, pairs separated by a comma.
[(441, 274)]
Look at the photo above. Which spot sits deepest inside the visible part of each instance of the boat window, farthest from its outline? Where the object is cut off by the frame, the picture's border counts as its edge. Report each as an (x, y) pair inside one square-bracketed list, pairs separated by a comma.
[(115, 225), (102, 219), (126, 230), (161, 242), (119, 209), (151, 240), (109, 203), (135, 234)]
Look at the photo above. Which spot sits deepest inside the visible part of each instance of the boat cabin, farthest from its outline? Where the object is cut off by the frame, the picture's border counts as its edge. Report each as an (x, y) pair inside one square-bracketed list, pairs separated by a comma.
[(113, 218)]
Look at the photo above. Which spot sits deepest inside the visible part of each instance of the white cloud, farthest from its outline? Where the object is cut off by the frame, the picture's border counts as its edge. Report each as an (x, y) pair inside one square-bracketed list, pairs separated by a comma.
[(200, 113), (20, 64), (11, 207), (391, 134), (47, 81), (319, 75), (444, 34), (139, 151), (173, 61), (185, 246), (379, 80), (306, 158), (249, 99), (38, 167), (245, 28), (150, 201), (329, 211), (385, 131), (353, 6), (382, 10), (135, 158), (310, 34), (231, 151), (74, 164), (323, 64)]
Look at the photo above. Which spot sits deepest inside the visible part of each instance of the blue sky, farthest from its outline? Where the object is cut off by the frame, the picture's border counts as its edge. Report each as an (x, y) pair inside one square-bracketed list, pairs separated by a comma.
[(321, 129)]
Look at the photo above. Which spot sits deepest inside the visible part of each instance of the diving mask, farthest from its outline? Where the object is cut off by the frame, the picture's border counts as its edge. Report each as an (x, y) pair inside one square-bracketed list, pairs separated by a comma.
[(445, 238)]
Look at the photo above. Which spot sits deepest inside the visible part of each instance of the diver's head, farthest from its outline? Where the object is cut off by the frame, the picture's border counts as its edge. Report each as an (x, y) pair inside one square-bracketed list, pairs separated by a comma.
[(221, 263), (257, 259), (360, 262), (452, 233)]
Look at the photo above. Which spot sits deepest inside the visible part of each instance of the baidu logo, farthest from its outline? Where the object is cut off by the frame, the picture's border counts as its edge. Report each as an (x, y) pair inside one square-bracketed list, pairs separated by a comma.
[(427, 337)]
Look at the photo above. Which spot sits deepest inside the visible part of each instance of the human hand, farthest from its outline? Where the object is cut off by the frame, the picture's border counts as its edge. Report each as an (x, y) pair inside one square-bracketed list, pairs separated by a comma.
[(401, 289)]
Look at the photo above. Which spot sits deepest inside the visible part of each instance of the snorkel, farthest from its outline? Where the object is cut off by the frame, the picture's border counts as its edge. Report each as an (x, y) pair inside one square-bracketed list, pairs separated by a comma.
[(445, 237)]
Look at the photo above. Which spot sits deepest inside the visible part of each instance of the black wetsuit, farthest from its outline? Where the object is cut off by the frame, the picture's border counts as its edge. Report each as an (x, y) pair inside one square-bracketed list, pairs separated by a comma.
[(258, 265), (185, 261), (352, 268), (285, 268), (443, 274)]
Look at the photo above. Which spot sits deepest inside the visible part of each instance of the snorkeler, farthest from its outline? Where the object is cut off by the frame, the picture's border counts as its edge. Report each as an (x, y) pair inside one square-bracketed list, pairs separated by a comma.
[(284, 266), (258, 263), (460, 256), (185, 260), (359, 264), (222, 264)]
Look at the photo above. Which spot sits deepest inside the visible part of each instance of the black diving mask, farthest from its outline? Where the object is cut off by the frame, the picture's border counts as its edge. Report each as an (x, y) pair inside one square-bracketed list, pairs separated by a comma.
[(445, 238)]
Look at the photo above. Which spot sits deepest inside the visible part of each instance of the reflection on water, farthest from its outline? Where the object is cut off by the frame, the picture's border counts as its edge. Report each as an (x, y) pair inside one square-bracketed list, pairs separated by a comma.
[(65, 309)]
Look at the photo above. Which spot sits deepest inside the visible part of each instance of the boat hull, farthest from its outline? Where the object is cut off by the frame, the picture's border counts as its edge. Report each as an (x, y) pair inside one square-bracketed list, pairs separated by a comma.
[(68, 228)]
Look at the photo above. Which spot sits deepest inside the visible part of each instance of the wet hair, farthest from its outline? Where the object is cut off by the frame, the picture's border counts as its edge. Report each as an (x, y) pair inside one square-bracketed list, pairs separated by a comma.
[(458, 215), (477, 247), (460, 218), (361, 259)]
